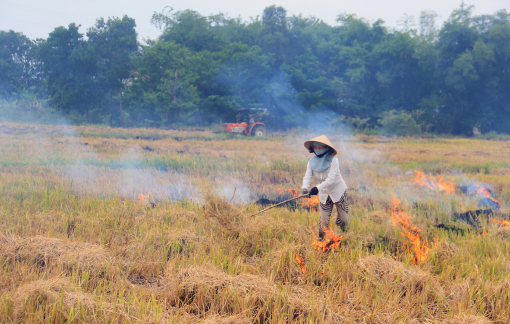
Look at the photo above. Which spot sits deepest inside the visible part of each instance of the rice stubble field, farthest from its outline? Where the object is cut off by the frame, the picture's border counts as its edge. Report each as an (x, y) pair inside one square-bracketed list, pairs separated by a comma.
[(153, 226)]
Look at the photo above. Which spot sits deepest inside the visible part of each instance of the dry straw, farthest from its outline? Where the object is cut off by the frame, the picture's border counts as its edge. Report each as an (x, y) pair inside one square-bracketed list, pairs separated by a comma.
[(228, 216), (46, 251), (66, 248), (65, 296), (208, 290), (402, 279)]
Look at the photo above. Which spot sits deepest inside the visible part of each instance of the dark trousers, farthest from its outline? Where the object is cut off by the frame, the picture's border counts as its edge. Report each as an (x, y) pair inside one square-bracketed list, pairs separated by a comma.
[(342, 213)]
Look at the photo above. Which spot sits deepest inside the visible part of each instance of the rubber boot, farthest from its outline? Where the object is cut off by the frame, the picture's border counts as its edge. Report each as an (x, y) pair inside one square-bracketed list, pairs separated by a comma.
[(342, 226), (321, 235)]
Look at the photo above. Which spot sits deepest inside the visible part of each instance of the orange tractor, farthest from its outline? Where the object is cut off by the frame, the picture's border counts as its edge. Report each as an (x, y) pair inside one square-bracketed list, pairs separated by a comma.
[(248, 122)]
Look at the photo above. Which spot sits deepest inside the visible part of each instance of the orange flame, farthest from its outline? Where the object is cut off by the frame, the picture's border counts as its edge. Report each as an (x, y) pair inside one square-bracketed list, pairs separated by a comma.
[(486, 194), (301, 262), (142, 198), (420, 179), (330, 241), (412, 233), (432, 182), (311, 203), (502, 222), (482, 234), (293, 192)]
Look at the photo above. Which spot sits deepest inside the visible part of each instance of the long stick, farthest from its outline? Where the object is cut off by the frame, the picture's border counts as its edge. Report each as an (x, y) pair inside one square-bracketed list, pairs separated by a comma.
[(283, 202)]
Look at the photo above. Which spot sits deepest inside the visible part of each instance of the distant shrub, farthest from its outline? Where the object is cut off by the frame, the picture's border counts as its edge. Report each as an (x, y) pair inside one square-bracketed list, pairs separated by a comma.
[(494, 136), (300, 130), (359, 124), (370, 131), (399, 123)]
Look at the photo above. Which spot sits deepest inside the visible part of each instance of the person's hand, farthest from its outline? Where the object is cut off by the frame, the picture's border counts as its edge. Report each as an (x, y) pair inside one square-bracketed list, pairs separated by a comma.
[(314, 191), (304, 191)]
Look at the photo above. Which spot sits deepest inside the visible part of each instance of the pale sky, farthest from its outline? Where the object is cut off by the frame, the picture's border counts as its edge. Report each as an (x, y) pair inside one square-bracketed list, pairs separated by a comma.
[(37, 18)]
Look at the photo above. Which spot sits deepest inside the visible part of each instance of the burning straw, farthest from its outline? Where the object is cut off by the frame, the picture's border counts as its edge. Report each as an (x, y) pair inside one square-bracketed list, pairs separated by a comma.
[(432, 182), (411, 233), (448, 187), (502, 222), (330, 242), (301, 263)]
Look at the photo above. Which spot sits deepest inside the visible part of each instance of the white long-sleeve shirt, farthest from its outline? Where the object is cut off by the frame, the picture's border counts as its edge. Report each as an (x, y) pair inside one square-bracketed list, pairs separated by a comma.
[(332, 183)]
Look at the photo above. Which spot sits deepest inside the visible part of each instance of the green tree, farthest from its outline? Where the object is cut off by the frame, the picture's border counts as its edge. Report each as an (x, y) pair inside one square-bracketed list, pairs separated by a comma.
[(163, 83), (352, 66), (245, 72), (471, 88), (428, 30), (16, 63), (274, 35), (202, 68), (70, 71), (113, 42), (494, 57), (187, 28)]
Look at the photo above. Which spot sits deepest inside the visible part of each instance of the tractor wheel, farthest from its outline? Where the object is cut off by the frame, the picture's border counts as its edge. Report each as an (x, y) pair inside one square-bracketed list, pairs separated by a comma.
[(259, 131)]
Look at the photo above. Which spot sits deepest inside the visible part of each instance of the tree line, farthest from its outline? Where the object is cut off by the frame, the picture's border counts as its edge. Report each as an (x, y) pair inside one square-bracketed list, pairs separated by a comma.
[(201, 69)]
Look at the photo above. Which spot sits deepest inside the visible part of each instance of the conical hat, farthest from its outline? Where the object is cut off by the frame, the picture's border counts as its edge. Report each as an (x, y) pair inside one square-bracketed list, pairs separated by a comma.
[(321, 139)]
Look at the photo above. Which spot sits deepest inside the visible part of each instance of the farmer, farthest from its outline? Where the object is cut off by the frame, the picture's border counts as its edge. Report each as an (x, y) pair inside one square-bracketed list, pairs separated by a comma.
[(332, 190)]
